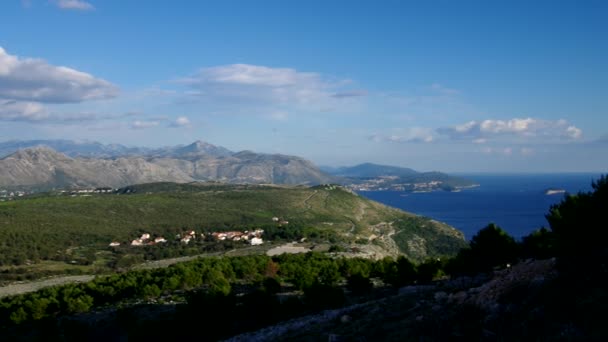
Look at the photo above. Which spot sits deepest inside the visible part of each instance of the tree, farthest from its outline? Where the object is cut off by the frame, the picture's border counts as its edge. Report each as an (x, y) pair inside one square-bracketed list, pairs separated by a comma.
[(540, 244), (428, 270), (492, 246), (579, 222), (359, 284)]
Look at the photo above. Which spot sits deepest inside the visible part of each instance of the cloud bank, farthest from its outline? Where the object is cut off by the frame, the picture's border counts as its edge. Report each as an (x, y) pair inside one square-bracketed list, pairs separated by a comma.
[(530, 128), (31, 79), (26, 84), (266, 85)]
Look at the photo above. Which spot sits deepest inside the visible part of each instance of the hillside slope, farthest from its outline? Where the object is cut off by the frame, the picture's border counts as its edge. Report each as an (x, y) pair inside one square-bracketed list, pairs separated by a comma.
[(49, 227)]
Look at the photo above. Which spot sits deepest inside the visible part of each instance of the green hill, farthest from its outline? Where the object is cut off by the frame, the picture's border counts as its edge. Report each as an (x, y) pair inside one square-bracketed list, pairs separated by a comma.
[(59, 226)]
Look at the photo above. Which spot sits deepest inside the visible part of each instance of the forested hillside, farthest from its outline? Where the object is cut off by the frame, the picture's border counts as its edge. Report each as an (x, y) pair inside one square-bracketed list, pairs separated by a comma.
[(78, 229)]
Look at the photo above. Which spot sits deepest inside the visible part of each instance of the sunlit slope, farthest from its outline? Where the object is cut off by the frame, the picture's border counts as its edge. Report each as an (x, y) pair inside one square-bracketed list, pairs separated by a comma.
[(51, 224)]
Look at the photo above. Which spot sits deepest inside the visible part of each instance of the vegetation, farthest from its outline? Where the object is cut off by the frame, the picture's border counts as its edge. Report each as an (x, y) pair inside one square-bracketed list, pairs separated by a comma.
[(237, 294), (217, 290), (77, 230)]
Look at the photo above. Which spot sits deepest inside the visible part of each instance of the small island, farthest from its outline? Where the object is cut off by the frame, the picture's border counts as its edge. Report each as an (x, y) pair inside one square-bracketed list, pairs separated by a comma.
[(554, 191)]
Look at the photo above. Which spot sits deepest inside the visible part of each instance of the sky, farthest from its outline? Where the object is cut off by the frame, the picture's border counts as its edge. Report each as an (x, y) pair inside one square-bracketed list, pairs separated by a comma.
[(455, 86)]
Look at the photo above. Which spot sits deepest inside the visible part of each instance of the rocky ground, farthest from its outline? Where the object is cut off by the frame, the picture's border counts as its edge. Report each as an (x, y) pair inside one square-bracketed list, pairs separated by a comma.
[(448, 310)]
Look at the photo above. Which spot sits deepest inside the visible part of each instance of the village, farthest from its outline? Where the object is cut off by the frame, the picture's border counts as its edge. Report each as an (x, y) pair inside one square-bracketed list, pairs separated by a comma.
[(253, 237), (9, 195), (391, 183)]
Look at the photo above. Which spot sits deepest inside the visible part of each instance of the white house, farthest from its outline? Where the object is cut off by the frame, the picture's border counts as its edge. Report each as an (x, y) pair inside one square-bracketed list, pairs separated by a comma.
[(137, 242), (256, 241)]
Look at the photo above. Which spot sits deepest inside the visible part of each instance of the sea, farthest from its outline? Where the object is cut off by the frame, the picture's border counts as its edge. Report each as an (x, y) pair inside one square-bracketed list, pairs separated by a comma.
[(517, 203)]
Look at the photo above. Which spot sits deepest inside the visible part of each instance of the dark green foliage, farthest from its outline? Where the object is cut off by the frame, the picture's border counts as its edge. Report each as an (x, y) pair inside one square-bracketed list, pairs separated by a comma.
[(490, 247), (539, 244), (211, 282), (579, 233), (429, 270), (271, 285), (579, 222), (359, 284), (417, 227), (397, 273), (406, 271)]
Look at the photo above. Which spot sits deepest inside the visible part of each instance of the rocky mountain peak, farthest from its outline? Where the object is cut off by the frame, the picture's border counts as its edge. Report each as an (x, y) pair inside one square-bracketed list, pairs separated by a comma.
[(202, 147), (38, 153)]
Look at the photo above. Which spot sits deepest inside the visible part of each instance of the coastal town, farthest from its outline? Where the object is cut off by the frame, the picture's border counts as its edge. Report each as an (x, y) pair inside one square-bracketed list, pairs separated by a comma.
[(394, 183)]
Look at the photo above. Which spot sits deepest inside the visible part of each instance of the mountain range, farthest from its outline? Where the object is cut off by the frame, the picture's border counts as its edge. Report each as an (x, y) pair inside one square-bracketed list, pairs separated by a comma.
[(95, 165), (92, 149), (45, 164)]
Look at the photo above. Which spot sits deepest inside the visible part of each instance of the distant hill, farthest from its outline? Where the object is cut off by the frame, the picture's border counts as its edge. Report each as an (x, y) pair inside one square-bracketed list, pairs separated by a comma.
[(73, 148), (42, 167), (57, 221), (370, 176)]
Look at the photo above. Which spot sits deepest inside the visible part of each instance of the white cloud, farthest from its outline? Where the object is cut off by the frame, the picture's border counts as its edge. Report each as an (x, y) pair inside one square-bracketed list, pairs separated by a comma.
[(181, 121), (138, 124), (74, 5), (267, 85), (27, 85), (530, 128), (22, 111), (27, 79), (246, 74), (574, 132), (35, 112), (406, 135)]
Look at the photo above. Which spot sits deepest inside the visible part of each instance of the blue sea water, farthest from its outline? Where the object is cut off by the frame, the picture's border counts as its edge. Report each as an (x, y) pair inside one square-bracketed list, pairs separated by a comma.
[(516, 203)]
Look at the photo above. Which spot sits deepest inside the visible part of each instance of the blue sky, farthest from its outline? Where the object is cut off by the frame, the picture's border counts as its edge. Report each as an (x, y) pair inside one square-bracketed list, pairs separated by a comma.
[(509, 86)]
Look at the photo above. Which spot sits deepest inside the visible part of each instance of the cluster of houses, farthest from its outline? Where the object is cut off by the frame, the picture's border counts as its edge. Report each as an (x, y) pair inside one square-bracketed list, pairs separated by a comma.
[(144, 240), (252, 237), (84, 192), (10, 195)]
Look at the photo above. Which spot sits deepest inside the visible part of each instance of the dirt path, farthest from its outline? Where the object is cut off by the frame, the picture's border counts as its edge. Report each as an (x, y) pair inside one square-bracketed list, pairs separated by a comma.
[(35, 285), (306, 205), (287, 248), (25, 287)]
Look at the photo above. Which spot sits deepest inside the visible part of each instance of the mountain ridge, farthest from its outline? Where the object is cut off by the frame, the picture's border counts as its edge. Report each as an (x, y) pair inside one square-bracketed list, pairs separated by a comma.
[(43, 167)]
